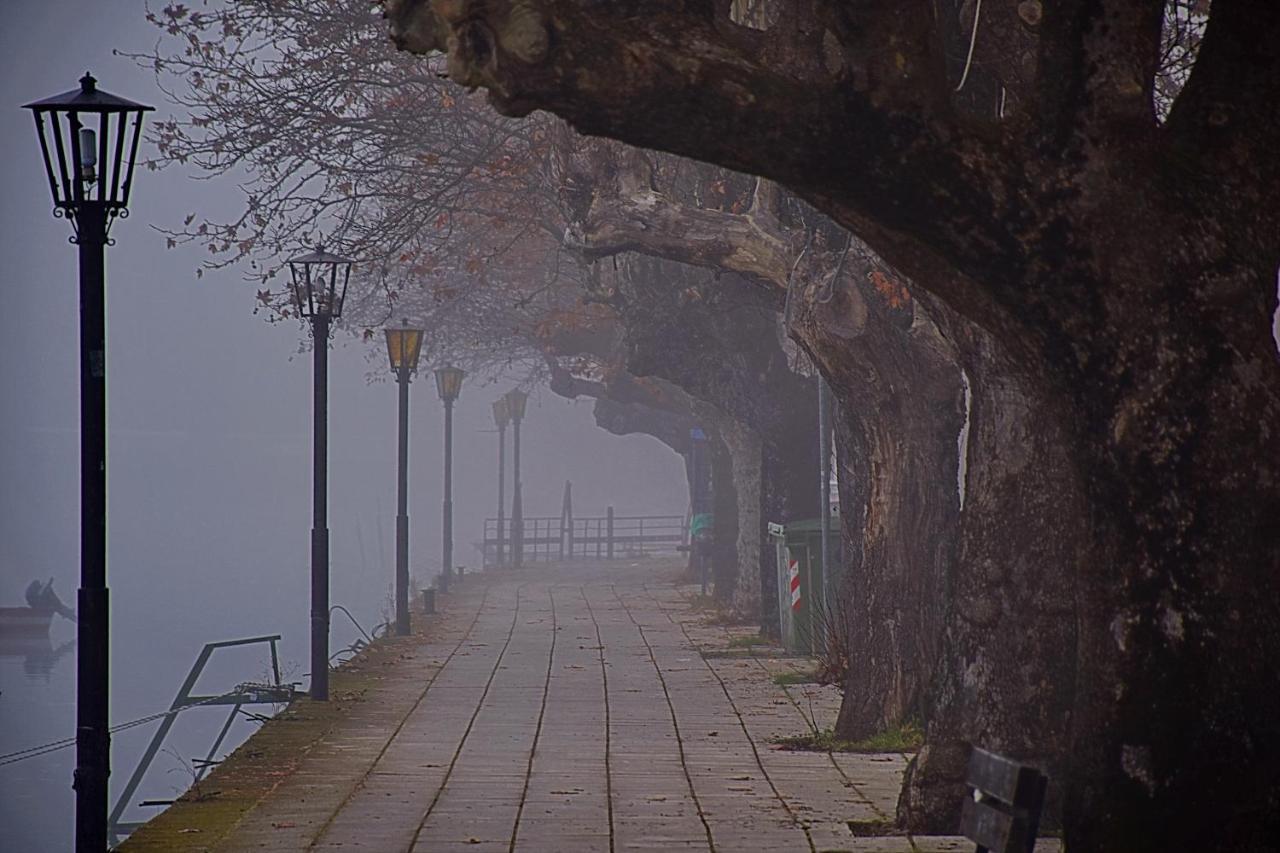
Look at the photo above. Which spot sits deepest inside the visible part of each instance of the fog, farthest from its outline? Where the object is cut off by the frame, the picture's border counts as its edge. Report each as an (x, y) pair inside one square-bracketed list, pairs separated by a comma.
[(209, 420)]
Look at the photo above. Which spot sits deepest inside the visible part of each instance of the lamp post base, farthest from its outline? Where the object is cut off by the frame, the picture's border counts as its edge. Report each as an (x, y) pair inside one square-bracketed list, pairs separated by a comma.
[(402, 575), (320, 615)]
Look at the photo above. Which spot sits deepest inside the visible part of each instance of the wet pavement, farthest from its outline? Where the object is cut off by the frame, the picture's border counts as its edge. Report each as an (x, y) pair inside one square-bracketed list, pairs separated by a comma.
[(569, 708)]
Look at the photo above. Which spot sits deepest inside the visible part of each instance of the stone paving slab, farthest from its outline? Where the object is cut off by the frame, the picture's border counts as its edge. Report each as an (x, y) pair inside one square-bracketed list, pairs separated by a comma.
[(571, 708)]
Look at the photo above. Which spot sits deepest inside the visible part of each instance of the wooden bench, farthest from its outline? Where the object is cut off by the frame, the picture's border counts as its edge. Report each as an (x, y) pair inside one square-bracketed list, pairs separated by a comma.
[(1003, 815)]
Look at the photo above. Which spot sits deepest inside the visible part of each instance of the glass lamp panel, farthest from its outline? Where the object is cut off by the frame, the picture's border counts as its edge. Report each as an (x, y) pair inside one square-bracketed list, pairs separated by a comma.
[(301, 288), (328, 275), (395, 347), (449, 382), (133, 158), (78, 188), (59, 185), (501, 414), (516, 400), (338, 287), (309, 290), (412, 347)]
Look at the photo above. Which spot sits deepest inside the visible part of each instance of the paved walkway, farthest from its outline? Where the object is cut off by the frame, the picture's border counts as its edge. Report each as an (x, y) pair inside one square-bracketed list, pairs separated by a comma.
[(563, 709)]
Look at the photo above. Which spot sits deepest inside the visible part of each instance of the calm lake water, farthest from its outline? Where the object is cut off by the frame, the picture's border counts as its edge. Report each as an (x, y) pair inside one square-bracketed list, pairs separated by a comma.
[(37, 706), (178, 580)]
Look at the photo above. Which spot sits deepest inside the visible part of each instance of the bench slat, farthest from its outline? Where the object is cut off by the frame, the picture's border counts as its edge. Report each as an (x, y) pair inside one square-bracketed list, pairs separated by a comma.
[(992, 828), (1006, 780)]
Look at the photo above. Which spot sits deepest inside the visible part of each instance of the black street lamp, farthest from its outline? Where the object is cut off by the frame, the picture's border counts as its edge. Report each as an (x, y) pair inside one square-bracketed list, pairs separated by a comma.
[(319, 288), (501, 417), (91, 188), (516, 400), (449, 384), (403, 347)]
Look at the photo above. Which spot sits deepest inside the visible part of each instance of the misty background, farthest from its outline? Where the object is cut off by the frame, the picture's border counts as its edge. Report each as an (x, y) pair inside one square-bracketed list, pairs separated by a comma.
[(209, 446)]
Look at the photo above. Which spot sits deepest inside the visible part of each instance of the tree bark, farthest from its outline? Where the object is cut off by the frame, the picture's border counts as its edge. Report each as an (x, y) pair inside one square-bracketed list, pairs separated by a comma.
[(1012, 608), (897, 385), (745, 456), (724, 543)]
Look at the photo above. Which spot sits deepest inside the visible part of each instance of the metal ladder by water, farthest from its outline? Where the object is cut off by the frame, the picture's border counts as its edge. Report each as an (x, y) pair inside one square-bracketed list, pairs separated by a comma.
[(247, 693)]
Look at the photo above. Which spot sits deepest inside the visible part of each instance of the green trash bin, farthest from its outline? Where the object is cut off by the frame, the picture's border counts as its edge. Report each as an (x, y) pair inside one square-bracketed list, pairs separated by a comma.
[(801, 609)]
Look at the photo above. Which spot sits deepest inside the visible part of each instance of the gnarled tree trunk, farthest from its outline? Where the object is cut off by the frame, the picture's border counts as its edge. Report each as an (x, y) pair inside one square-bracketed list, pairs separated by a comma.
[(745, 454), (895, 379), (1003, 680)]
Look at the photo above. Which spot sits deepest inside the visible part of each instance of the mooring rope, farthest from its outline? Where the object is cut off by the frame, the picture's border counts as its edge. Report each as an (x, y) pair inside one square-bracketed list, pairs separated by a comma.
[(54, 746)]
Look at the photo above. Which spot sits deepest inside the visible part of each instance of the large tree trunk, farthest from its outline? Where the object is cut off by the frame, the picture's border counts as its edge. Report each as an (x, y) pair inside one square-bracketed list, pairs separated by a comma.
[(896, 599), (1172, 428), (1127, 513), (896, 383), (1003, 681), (673, 429), (625, 406), (724, 508), (744, 452), (853, 478)]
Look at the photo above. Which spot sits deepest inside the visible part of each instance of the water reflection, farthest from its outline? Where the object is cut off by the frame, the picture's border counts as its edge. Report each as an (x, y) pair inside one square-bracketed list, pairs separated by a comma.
[(39, 655)]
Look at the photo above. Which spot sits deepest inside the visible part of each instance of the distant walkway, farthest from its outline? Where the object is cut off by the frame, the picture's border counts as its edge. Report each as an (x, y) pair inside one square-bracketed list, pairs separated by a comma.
[(582, 708)]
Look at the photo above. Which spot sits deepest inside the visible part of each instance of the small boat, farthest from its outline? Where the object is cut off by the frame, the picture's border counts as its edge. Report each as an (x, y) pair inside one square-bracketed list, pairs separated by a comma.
[(34, 619), (24, 622)]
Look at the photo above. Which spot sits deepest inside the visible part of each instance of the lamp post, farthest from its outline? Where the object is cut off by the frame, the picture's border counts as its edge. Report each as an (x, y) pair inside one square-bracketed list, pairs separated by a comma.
[(319, 288), (91, 189), (516, 401), (449, 384), (501, 417), (403, 347)]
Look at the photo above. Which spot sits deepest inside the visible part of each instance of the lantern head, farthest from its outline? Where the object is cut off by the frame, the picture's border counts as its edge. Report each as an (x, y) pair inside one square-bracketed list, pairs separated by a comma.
[(449, 382), (516, 400), (320, 283), (90, 146), (403, 347), (501, 413)]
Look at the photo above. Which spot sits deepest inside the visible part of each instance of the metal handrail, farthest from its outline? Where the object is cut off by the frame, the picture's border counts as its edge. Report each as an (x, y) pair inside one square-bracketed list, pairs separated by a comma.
[(274, 692), (556, 537)]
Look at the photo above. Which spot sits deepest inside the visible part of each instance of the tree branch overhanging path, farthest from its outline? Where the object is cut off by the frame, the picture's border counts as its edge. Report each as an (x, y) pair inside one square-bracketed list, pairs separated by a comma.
[(1091, 410), (1123, 267)]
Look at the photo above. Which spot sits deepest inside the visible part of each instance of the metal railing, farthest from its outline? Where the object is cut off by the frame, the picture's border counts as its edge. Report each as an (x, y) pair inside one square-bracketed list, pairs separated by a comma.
[(606, 537), (274, 692)]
